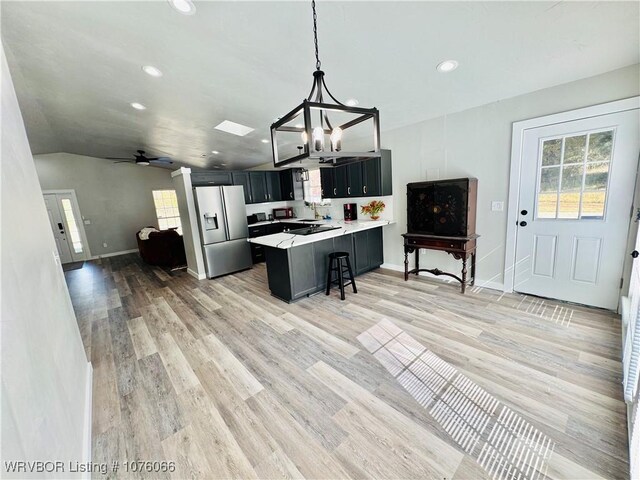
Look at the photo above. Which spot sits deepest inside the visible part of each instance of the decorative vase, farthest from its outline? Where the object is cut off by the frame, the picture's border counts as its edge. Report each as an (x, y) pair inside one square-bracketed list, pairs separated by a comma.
[(375, 217)]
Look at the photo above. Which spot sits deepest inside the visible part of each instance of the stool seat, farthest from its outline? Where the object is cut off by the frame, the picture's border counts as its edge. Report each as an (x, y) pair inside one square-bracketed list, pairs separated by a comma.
[(338, 258)]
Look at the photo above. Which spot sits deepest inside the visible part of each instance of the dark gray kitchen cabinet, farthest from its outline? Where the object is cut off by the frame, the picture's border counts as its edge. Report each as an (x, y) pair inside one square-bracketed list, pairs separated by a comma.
[(340, 182), (376, 176), (327, 180), (369, 178), (242, 178), (321, 251), (258, 184), (274, 192), (203, 179), (290, 186), (367, 248), (354, 179)]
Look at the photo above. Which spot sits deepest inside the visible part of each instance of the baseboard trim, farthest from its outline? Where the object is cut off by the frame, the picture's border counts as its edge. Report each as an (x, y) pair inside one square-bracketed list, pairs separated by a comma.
[(479, 282), (114, 254), (199, 276), (88, 418)]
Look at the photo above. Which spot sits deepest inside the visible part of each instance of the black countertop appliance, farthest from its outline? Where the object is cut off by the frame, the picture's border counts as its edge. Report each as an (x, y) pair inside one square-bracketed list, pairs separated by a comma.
[(350, 211)]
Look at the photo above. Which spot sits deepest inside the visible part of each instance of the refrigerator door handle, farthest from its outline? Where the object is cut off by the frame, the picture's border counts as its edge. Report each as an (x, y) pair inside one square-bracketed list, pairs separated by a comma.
[(224, 212), (210, 221)]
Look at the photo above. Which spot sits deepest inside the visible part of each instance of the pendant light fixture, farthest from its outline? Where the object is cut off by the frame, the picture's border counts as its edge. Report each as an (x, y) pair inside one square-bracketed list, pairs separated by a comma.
[(324, 130)]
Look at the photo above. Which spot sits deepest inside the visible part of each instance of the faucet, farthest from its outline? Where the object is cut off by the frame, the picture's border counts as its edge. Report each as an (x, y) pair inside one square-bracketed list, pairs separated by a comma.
[(316, 215)]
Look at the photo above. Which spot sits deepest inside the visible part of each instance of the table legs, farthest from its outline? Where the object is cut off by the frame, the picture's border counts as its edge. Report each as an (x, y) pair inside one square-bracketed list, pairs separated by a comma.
[(473, 268), (406, 265), (464, 273), (417, 260)]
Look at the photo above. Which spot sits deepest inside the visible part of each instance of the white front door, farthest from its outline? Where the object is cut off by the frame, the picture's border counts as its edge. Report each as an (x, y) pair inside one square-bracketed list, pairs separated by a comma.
[(576, 195), (63, 217)]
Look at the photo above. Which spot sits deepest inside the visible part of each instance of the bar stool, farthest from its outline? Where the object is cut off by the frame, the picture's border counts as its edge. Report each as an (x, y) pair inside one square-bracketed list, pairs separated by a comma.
[(341, 269)]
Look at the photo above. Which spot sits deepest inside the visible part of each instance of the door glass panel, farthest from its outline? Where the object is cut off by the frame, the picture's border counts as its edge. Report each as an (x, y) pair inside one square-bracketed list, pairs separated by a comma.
[(574, 148), (548, 196), (570, 194), (580, 191), (73, 232), (600, 146), (551, 152)]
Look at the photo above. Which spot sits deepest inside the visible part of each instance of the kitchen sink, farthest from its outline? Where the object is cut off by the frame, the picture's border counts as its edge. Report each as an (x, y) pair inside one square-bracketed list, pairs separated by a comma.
[(311, 230)]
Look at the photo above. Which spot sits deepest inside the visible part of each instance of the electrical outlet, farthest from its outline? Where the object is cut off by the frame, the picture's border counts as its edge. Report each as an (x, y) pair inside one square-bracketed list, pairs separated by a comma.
[(104, 244), (497, 206)]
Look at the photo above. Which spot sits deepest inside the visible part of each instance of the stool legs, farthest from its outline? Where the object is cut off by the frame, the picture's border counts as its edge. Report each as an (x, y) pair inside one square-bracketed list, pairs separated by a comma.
[(329, 276), (353, 280)]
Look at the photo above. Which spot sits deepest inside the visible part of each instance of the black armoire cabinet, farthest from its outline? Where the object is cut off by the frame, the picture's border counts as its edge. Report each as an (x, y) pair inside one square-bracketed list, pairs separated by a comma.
[(442, 207)]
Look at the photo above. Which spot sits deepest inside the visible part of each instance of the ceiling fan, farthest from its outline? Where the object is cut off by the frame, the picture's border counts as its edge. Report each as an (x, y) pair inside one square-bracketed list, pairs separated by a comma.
[(141, 159)]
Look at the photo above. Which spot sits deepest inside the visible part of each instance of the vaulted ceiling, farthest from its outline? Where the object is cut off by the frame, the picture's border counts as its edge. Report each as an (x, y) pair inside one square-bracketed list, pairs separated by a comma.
[(77, 65)]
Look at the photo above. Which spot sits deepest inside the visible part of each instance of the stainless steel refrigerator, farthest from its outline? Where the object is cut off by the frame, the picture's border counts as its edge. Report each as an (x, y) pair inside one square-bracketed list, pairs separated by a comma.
[(222, 218)]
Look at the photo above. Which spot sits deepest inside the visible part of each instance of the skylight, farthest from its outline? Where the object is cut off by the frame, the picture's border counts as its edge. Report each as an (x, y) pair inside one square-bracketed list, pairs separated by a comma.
[(234, 128)]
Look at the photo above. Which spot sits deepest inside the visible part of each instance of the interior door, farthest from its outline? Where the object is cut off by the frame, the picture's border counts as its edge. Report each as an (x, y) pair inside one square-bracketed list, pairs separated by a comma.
[(64, 217), (576, 193)]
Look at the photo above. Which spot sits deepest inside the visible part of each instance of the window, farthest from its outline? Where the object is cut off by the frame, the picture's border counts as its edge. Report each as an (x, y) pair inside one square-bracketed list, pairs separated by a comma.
[(167, 212), (72, 225), (574, 174), (313, 189)]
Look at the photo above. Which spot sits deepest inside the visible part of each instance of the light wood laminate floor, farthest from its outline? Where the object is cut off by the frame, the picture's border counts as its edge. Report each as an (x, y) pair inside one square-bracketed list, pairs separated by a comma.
[(402, 380)]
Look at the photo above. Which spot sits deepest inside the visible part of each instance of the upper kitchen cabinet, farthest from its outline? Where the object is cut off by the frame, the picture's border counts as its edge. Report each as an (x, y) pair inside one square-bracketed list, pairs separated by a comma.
[(290, 186), (242, 178), (327, 180), (369, 178), (203, 179), (376, 176), (274, 192), (258, 184)]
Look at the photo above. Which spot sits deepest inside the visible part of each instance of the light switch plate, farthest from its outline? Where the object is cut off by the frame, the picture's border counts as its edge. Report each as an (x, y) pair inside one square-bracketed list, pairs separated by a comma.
[(497, 206)]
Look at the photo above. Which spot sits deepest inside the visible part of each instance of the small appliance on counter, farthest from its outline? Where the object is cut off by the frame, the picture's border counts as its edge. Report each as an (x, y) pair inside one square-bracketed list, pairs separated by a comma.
[(256, 218), (350, 212), (281, 213)]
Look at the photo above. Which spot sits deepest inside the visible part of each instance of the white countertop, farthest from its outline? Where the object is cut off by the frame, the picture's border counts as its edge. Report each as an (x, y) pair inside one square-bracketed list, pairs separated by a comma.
[(288, 240)]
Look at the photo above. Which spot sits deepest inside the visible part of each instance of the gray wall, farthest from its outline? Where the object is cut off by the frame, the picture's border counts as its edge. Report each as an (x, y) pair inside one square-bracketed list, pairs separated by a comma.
[(477, 143), (115, 197), (44, 368)]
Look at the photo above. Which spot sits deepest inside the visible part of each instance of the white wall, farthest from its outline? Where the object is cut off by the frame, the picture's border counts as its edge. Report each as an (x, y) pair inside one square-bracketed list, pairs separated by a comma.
[(116, 198), (477, 143), (44, 368)]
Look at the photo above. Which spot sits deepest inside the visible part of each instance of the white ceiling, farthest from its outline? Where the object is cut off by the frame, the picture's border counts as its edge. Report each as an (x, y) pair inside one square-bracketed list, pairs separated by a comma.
[(77, 65)]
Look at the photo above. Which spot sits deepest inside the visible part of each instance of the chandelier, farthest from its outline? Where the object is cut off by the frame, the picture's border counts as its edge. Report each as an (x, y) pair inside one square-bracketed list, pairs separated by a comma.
[(324, 130)]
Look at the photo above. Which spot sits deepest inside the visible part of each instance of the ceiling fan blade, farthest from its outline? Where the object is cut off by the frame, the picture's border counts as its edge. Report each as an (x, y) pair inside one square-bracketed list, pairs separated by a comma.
[(119, 158), (124, 161), (160, 160)]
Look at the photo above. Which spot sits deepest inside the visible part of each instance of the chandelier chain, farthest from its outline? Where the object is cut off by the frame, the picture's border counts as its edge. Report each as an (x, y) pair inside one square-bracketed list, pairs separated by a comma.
[(315, 33)]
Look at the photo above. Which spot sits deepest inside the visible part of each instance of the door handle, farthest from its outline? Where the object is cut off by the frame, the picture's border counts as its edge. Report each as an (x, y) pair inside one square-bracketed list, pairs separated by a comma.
[(523, 212), (349, 190), (523, 224), (290, 194), (635, 254), (335, 190), (60, 226), (364, 189)]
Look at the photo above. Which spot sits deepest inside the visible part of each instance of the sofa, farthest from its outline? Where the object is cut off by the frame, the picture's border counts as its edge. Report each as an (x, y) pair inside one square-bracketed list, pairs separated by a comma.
[(163, 248)]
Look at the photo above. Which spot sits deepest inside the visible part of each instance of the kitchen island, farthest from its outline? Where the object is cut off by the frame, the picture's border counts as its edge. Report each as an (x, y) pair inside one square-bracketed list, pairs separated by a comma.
[(297, 264)]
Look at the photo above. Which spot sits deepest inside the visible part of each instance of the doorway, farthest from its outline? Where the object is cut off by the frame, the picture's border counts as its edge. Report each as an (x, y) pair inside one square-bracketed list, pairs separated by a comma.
[(66, 224), (574, 204)]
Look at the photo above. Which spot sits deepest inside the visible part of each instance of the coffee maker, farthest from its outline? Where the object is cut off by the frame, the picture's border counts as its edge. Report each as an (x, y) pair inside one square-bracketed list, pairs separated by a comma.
[(350, 212)]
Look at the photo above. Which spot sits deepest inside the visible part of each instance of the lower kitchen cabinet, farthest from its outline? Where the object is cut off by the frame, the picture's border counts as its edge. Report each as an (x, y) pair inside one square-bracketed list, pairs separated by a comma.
[(296, 272)]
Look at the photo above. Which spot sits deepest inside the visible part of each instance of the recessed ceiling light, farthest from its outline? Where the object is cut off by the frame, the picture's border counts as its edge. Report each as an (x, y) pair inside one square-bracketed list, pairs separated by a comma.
[(138, 106), (223, 164), (215, 152), (447, 66), (185, 7), (352, 102), (234, 128), (151, 70), (264, 140)]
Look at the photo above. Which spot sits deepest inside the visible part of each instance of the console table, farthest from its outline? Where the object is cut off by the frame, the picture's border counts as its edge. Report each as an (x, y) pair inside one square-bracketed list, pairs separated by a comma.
[(460, 248)]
